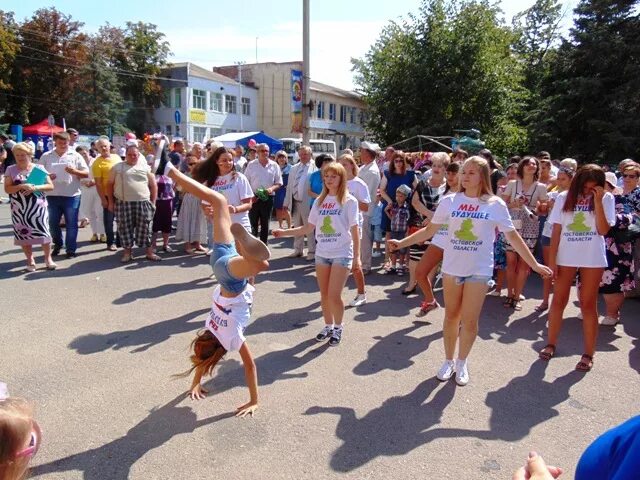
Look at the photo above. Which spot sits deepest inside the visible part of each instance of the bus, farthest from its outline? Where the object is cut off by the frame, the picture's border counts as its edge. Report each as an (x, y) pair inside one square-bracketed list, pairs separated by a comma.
[(291, 146)]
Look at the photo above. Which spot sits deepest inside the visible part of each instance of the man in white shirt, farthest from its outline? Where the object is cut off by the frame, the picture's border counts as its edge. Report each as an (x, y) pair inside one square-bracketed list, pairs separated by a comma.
[(370, 174), (265, 177), (66, 168), (297, 198), (239, 162), (384, 161), (73, 138)]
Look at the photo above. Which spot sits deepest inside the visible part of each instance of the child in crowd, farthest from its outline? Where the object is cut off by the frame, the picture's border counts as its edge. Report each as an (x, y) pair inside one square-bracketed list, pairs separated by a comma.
[(376, 226), (334, 216), (232, 298), (398, 213), (20, 436), (164, 212), (500, 245)]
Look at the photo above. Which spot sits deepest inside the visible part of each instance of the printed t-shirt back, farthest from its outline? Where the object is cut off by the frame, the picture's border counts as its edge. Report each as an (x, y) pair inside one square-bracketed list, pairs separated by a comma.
[(580, 244), (471, 233), (333, 223), (235, 191), (229, 317)]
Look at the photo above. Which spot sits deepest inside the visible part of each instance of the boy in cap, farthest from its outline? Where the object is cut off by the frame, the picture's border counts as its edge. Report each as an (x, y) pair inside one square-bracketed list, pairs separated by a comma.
[(398, 213)]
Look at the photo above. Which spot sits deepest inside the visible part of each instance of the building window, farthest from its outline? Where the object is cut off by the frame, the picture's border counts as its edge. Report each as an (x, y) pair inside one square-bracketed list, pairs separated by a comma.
[(246, 106), (199, 99), (343, 113), (215, 132), (177, 98), (215, 102), (231, 104), (320, 109), (199, 133), (166, 99), (332, 111), (352, 115)]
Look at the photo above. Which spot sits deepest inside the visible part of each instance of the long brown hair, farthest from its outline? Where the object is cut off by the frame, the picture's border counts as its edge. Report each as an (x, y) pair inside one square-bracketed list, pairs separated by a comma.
[(16, 423), (587, 173), (486, 193), (392, 166), (207, 352), (208, 171), (341, 194)]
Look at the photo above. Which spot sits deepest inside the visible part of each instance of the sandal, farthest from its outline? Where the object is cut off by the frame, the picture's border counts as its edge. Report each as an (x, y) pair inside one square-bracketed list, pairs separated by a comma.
[(153, 257), (508, 303), (127, 257), (583, 366), (516, 305), (546, 356), (543, 307), (409, 291), (31, 267)]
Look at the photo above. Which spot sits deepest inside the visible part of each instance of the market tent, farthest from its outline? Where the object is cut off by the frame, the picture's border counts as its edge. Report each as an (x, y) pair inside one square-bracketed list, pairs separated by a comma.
[(41, 128), (230, 140)]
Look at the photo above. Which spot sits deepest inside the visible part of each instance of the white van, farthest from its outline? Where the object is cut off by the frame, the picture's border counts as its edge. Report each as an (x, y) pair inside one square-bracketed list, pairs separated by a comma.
[(291, 146)]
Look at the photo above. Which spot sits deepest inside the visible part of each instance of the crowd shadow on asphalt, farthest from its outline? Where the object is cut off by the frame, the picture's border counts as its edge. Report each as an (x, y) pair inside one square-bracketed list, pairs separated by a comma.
[(165, 290), (516, 408), (114, 460), (142, 338), (396, 350), (287, 320), (631, 327)]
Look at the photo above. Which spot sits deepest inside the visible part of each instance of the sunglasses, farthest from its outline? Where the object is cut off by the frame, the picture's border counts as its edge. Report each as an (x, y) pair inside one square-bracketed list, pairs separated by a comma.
[(629, 175), (34, 444), (192, 164), (398, 161)]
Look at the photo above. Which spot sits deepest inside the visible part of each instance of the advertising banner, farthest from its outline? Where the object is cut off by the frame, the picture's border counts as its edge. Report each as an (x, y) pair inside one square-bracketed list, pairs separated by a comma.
[(296, 101)]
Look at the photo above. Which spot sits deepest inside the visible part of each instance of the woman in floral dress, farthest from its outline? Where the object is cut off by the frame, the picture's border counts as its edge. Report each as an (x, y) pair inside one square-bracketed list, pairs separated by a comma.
[(24, 183), (618, 277)]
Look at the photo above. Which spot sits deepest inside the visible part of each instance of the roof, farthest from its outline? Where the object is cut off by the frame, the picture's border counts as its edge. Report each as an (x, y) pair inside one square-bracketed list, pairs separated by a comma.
[(234, 137), (196, 71), (322, 87)]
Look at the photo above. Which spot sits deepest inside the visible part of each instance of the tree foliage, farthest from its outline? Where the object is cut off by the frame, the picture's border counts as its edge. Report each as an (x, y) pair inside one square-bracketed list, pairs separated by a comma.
[(99, 83)]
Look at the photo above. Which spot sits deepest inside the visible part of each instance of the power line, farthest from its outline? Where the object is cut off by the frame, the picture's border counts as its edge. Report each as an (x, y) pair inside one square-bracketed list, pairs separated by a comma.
[(116, 71), (60, 102)]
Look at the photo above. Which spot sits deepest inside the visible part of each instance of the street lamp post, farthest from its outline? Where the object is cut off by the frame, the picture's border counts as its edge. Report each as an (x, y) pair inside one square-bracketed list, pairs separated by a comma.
[(306, 74)]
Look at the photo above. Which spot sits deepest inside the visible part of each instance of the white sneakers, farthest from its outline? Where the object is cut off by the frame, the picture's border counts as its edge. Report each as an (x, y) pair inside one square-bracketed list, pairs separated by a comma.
[(609, 321), (360, 299), (459, 367)]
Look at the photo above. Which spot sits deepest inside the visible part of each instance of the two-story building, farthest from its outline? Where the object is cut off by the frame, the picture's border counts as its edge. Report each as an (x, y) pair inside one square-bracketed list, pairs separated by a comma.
[(337, 114), (201, 104)]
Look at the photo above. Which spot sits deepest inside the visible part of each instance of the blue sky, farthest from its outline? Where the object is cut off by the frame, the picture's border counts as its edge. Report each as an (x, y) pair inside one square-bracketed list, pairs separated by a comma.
[(212, 33)]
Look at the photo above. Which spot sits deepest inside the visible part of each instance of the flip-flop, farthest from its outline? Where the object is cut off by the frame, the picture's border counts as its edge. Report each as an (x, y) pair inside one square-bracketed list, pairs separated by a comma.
[(251, 246), (153, 258)]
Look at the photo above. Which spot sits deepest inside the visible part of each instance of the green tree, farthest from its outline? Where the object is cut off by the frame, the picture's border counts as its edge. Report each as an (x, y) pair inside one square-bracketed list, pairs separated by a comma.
[(97, 101), (449, 66), (52, 49), (591, 107), (11, 100)]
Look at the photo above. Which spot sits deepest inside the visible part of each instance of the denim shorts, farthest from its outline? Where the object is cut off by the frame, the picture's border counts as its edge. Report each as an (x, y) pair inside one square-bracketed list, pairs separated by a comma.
[(345, 262), (376, 233), (487, 280), (220, 255)]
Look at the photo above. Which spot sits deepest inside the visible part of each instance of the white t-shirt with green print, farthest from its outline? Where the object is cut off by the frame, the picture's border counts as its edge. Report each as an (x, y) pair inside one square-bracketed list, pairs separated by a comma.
[(333, 223), (468, 249), (580, 245)]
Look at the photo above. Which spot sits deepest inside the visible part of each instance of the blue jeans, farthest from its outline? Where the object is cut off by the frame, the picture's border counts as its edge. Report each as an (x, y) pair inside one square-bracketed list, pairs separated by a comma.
[(107, 217), (67, 207)]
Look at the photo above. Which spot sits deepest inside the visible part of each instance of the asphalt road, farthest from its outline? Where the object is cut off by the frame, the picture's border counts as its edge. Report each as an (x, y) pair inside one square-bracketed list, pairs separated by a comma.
[(94, 345)]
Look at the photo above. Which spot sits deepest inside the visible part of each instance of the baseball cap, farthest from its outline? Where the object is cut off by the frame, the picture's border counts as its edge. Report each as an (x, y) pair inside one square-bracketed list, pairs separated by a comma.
[(611, 179)]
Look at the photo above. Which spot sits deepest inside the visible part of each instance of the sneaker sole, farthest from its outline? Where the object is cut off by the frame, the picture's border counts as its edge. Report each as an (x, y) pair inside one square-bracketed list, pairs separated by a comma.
[(461, 384), (252, 247)]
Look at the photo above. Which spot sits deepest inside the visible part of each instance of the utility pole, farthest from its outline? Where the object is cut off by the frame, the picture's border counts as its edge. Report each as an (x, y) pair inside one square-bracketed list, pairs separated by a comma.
[(239, 64), (306, 76)]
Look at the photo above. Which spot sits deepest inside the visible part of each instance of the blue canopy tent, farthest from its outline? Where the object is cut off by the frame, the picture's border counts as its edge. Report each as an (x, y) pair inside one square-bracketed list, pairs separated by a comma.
[(230, 140)]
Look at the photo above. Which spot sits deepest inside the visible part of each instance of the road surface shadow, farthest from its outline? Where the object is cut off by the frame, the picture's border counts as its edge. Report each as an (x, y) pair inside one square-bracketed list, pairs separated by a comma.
[(114, 460), (142, 338), (404, 423), (395, 351), (164, 290), (287, 320)]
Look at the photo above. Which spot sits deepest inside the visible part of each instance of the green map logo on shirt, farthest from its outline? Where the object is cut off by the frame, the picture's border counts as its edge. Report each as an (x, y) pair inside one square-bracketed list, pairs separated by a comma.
[(466, 231), (327, 226), (578, 224)]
